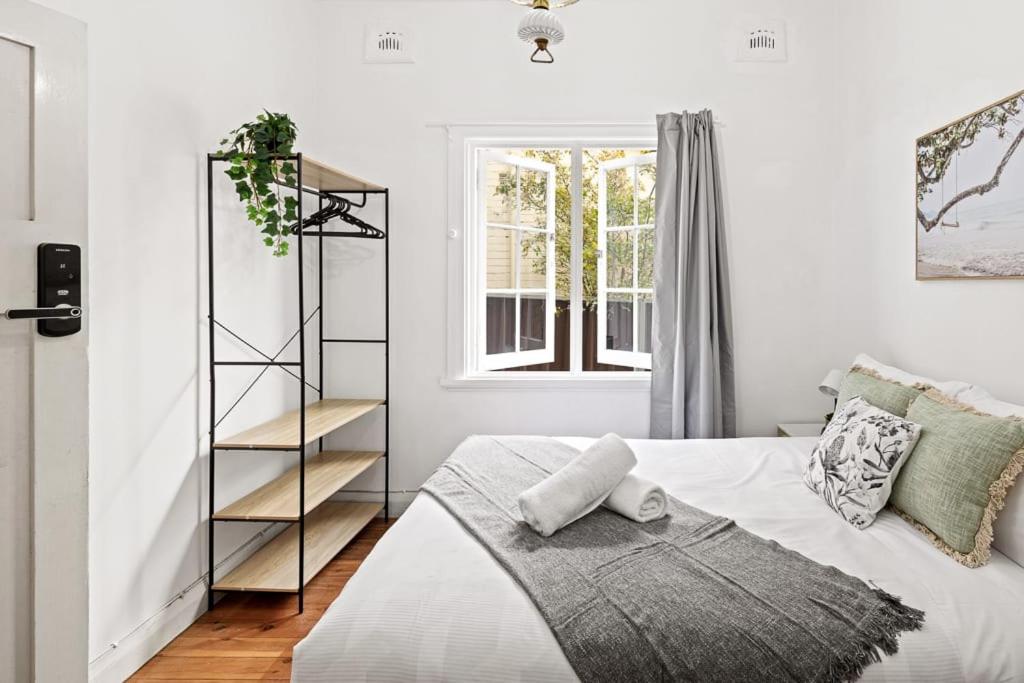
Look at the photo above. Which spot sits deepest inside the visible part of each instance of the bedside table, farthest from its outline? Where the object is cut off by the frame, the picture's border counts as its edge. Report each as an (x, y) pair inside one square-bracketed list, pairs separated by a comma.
[(801, 428)]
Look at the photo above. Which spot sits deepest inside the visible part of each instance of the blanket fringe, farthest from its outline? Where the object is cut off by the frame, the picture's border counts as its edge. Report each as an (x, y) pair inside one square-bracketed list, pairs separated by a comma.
[(879, 631)]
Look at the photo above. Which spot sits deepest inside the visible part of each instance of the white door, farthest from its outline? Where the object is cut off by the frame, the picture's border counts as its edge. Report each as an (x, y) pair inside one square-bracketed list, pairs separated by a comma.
[(43, 380)]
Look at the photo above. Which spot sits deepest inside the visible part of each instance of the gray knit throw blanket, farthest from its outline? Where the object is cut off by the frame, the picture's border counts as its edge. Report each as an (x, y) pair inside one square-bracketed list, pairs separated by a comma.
[(691, 597)]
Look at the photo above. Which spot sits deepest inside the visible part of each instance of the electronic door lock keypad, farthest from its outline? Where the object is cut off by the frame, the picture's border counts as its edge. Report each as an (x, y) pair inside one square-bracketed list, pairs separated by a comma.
[(60, 286), (58, 311)]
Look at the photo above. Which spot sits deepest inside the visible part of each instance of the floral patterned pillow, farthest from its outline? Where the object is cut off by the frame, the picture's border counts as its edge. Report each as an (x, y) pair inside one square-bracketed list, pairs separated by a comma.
[(858, 458)]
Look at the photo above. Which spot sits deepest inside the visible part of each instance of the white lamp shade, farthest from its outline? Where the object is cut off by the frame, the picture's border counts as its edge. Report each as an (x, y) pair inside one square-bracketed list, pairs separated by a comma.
[(830, 385), (541, 24)]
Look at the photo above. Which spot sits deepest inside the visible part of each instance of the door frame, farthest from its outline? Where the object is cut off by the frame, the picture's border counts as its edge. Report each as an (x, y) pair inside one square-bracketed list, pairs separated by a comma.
[(59, 429)]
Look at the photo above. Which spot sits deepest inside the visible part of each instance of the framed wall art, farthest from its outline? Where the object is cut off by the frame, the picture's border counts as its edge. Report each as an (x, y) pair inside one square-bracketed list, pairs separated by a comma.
[(970, 195)]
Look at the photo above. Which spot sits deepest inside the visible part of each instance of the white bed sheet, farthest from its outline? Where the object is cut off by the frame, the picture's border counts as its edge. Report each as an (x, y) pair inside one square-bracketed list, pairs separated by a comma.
[(431, 604)]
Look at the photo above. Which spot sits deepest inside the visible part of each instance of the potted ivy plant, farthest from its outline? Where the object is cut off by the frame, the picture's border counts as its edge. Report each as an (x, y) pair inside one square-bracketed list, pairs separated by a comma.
[(261, 177)]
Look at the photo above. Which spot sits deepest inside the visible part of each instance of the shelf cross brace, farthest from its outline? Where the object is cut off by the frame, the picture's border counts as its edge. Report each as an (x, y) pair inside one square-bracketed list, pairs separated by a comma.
[(269, 358)]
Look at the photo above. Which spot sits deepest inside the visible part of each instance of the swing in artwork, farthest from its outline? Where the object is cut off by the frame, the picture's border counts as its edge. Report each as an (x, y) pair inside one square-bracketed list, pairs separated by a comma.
[(970, 195)]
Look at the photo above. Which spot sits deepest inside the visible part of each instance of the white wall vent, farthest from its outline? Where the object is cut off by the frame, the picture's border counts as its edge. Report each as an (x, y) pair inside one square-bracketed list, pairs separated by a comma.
[(387, 45), (763, 41)]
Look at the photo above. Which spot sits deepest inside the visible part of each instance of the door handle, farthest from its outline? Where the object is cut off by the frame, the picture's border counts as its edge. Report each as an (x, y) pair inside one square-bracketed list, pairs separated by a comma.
[(63, 312)]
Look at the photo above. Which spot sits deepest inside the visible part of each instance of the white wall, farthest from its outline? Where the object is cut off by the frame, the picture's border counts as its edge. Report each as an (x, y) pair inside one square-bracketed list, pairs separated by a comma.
[(929, 63), (166, 82), (620, 63)]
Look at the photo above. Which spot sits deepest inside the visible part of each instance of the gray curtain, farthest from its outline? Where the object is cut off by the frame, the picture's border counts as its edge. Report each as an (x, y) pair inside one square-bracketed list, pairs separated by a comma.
[(692, 386)]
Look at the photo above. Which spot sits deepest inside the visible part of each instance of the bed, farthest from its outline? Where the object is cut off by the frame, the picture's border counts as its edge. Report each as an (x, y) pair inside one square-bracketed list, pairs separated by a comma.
[(431, 604)]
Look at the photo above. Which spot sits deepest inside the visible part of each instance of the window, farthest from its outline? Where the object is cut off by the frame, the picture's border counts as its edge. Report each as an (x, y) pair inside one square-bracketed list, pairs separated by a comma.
[(517, 207), (554, 262), (625, 248)]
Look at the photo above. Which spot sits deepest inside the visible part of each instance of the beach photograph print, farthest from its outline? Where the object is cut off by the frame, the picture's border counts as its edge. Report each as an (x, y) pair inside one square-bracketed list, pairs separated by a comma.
[(970, 195)]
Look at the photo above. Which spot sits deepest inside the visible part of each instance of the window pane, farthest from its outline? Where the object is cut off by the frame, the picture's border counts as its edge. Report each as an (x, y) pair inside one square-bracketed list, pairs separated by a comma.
[(501, 193), (531, 322), (620, 197), (500, 258), (533, 260), (501, 323), (620, 259), (645, 182), (620, 322), (533, 195), (645, 311), (645, 258)]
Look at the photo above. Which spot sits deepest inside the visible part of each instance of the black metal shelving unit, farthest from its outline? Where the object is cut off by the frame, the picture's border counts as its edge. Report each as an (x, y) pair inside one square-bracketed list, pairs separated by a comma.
[(335, 201)]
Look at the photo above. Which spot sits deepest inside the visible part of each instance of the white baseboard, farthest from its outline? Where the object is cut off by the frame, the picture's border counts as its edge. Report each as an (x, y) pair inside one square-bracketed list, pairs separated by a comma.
[(127, 656), (123, 658)]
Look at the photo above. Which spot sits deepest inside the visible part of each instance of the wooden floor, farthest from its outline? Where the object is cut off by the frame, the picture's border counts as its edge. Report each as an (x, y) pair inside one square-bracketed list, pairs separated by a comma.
[(249, 637)]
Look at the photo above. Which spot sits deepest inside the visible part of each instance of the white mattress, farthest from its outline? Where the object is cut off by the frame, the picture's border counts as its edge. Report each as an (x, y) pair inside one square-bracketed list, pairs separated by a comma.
[(430, 604)]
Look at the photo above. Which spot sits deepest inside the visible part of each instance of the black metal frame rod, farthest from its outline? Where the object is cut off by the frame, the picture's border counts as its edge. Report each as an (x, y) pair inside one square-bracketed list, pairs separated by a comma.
[(302, 403), (355, 341), (213, 378), (335, 233), (280, 449), (258, 363), (358, 206), (387, 354), (272, 157), (383, 191), (320, 307)]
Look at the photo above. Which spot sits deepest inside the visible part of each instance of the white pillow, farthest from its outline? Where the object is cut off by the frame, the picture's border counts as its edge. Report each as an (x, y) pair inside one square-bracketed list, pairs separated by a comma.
[(1008, 531), (951, 388), (858, 458), (981, 400)]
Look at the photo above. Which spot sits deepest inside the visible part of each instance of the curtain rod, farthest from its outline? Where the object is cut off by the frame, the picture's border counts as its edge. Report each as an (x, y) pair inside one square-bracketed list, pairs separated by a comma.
[(538, 124), (550, 124)]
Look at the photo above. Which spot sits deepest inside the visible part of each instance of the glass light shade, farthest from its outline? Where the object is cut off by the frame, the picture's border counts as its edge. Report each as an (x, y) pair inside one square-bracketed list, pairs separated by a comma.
[(541, 24)]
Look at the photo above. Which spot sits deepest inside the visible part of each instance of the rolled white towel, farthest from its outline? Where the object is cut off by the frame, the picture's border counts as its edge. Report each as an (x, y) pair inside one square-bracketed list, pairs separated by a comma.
[(638, 499), (579, 487)]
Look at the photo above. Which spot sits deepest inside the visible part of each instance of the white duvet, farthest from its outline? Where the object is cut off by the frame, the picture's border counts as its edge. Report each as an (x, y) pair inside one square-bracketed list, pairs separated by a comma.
[(430, 604)]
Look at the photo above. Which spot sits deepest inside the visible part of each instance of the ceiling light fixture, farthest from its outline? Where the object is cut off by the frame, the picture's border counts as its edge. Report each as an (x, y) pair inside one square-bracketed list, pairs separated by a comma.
[(542, 27)]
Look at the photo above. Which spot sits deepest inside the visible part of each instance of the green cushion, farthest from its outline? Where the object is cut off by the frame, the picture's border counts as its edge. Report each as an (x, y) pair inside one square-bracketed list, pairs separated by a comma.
[(954, 482), (891, 397)]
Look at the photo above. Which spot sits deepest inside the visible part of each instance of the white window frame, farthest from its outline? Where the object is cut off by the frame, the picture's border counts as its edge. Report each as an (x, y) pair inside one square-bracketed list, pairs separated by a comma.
[(634, 358), (518, 357), (462, 372)]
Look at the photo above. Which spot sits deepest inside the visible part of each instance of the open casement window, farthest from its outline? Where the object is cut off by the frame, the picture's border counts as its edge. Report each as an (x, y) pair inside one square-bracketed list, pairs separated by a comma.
[(625, 272), (517, 229)]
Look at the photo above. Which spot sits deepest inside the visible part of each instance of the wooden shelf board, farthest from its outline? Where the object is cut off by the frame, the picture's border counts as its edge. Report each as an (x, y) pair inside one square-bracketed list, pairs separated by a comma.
[(322, 418), (274, 567), (321, 176), (278, 500)]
